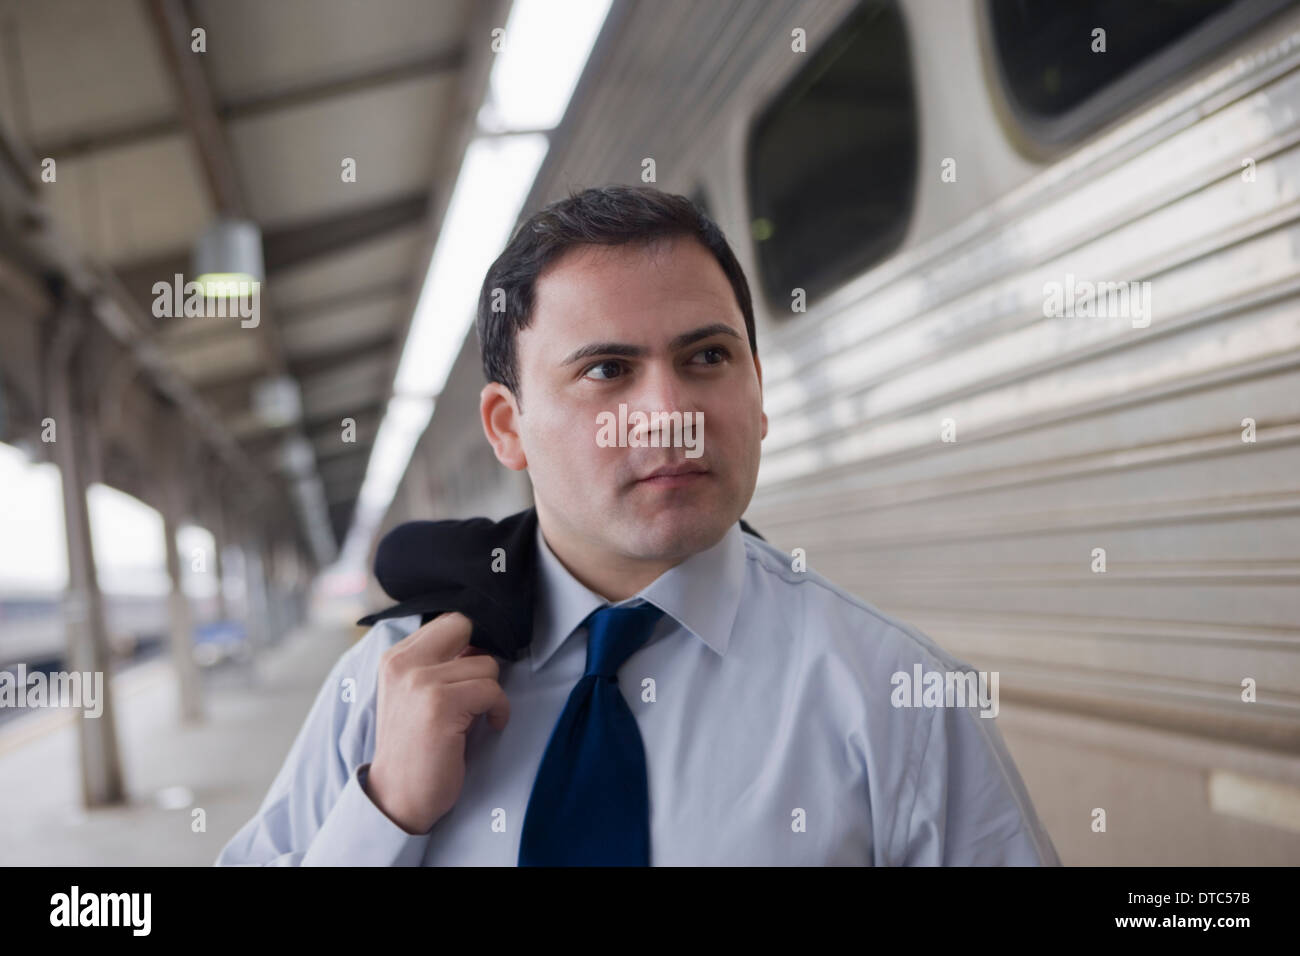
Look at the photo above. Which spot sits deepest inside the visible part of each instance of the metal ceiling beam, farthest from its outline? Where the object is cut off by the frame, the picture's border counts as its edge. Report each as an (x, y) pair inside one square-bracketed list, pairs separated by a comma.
[(30, 224), (21, 286), (293, 245), (229, 396), (320, 422), (172, 25), (382, 343), (416, 68), (362, 295), (79, 145)]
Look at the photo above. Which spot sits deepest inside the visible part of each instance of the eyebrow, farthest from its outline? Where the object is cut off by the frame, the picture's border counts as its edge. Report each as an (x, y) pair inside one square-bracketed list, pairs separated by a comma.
[(636, 351)]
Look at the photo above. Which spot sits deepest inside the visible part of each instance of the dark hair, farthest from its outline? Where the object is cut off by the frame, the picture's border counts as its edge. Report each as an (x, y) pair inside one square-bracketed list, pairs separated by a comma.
[(608, 216)]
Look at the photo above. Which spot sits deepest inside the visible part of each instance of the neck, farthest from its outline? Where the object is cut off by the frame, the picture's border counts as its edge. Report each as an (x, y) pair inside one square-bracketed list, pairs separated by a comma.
[(615, 577)]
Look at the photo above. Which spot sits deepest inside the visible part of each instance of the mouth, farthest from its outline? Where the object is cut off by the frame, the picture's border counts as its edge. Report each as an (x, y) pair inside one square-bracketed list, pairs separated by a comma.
[(674, 476)]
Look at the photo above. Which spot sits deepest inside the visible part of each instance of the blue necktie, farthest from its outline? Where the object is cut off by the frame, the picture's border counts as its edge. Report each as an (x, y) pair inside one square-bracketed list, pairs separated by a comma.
[(590, 804)]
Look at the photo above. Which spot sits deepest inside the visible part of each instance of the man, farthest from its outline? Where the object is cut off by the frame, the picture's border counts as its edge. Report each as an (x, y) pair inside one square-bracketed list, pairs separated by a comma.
[(691, 694)]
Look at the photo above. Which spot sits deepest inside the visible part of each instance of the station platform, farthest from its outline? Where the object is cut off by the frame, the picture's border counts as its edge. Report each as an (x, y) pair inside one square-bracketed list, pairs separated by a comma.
[(223, 765)]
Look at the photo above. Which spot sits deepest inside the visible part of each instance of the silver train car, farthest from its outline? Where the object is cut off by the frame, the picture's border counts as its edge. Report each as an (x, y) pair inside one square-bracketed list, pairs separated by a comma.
[(1096, 496)]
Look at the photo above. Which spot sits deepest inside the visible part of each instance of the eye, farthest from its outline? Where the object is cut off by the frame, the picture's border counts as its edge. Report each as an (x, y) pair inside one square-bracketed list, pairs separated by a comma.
[(715, 348), (603, 365)]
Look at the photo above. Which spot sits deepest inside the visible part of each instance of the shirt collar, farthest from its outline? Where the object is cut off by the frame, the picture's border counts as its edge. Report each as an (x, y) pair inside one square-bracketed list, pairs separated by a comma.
[(702, 594)]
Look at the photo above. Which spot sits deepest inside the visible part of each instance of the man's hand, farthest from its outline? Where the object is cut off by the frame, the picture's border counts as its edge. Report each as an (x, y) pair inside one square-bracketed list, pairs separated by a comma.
[(432, 684)]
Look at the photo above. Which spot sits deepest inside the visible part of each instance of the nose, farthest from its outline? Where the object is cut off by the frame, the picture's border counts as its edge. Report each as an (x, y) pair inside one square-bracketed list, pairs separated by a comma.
[(661, 389)]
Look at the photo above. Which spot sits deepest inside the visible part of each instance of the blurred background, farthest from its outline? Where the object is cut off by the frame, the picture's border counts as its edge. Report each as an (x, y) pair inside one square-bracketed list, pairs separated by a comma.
[(1100, 499)]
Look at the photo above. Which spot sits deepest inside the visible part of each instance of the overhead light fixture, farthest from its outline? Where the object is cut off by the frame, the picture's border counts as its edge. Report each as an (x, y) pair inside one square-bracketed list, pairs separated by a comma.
[(277, 402), (546, 50), (229, 252)]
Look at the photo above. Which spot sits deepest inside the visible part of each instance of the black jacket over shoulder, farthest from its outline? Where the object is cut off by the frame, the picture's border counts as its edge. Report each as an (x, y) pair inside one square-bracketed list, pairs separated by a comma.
[(484, 569)]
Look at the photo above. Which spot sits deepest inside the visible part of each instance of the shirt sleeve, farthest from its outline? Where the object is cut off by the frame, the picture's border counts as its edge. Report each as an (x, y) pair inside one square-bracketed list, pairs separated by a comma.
[(317, 812), (971, 806)]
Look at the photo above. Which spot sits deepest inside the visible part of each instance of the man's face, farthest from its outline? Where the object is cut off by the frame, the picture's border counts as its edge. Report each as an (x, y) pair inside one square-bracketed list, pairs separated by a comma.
[(657, 329)]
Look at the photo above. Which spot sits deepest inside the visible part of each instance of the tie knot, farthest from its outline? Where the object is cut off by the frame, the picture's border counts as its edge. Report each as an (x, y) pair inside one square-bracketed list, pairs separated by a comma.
[(615, 633)]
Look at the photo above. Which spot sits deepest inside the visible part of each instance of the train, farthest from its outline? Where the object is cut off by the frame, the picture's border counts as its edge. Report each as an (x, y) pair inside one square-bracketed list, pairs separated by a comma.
[(1101, 505)]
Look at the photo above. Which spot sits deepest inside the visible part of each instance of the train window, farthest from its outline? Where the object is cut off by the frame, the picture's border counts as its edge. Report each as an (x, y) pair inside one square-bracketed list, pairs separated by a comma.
[(831, 161), (1069, 68)]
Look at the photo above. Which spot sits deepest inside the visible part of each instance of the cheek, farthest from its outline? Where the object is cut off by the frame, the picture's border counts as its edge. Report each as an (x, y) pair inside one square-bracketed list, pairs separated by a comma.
[(730, 419), (566, 437)]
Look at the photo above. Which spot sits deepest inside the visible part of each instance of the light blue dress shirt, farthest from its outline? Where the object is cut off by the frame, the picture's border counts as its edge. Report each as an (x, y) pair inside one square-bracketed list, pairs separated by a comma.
[(766, 700)]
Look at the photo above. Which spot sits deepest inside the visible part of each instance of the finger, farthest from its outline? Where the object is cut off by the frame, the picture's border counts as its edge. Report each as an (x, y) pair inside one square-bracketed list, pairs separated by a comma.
[(469, 667), (481, 696), (442, 639)]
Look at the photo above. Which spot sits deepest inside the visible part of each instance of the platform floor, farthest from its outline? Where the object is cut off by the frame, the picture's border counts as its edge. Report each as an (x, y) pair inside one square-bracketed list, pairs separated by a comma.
[(224, 765)]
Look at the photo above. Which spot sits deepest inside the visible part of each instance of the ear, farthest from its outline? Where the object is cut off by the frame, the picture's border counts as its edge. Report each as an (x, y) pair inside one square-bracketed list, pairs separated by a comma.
[(758, 367), (500, 417)]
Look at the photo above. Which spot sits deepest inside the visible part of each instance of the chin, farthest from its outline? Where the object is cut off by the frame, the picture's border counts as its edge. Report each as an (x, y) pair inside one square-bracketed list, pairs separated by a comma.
[(677, 533)]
